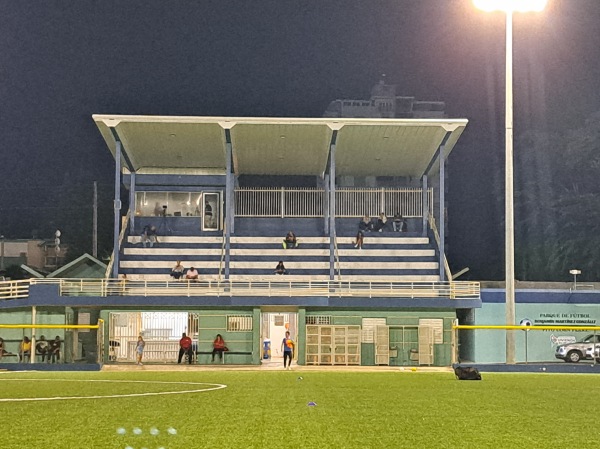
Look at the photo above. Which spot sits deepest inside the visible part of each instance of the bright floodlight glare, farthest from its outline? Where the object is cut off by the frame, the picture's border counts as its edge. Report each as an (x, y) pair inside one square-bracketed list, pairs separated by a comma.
[(510, 5)]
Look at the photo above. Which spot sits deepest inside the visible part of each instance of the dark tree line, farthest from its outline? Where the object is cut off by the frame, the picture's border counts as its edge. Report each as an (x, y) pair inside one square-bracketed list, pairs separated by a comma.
[(68, 207), (557, 203)]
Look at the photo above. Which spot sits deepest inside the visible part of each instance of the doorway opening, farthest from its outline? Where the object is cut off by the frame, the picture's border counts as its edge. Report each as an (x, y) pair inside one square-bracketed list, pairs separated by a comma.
[(273, 326)]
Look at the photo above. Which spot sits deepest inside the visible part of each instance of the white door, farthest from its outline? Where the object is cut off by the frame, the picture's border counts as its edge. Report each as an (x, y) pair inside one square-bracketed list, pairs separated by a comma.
[(382, 345), (426, 345), (211, 211)]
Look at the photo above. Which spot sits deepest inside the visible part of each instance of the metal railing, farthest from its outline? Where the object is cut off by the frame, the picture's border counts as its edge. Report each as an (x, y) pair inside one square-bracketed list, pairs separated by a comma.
[(124, 224), (267, 288), (437, 240), (310, 202), (14, 289), (353, 202)]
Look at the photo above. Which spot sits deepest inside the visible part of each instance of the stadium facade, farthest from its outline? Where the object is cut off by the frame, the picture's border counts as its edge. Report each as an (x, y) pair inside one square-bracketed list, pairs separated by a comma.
[(221, 194)]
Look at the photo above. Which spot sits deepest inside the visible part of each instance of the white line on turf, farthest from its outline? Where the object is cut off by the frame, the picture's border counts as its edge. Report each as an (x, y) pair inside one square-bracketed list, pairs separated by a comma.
[(128, 395)]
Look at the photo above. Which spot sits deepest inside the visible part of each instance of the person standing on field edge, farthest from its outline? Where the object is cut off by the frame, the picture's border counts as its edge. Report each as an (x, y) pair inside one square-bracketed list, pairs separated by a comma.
[(139, 349), (185, 347), (287, 346)]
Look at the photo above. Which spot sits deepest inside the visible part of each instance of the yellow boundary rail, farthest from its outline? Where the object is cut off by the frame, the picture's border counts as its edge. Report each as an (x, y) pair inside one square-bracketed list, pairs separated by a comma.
[(527, 328), (49, 326)]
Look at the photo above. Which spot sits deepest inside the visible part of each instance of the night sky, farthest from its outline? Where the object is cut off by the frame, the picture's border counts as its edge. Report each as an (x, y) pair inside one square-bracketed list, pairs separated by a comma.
[(61, 62)]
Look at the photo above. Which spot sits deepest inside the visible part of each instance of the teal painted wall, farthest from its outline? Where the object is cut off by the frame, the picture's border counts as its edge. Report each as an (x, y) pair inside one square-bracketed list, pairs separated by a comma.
[(12, 337), (488, 346), (211, 323), (403, 333)]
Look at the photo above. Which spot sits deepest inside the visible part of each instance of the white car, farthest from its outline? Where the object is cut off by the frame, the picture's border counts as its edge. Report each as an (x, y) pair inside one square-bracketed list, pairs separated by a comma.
[(593, 352), (574, 352)]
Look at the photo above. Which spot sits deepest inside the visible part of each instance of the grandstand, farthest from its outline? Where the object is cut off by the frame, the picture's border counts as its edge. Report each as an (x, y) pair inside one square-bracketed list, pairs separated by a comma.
[(222, 192)]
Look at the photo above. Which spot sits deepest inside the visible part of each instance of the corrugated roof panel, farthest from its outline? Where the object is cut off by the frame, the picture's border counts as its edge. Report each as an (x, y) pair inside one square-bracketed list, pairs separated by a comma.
[(282, 149)]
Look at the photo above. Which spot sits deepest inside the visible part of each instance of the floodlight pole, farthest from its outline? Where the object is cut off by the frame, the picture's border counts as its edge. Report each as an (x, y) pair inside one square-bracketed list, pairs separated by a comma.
[(509, 224), (509, 221)]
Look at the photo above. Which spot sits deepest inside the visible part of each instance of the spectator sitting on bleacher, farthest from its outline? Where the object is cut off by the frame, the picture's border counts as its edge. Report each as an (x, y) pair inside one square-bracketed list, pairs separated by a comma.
[(381, 222), (360, 237), (24, 349), (290, 241), (280, 268), (192, 274), (55, 350), (399, 223), (42, 347), (177, 271), (365, 224), (149, 236)]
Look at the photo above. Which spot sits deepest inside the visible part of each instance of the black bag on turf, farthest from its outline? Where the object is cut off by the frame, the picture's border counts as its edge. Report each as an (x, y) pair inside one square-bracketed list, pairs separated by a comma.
[(467, 373)]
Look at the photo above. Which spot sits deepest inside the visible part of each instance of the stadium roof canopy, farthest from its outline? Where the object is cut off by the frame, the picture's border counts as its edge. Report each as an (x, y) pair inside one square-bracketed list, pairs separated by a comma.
[(279, 146)]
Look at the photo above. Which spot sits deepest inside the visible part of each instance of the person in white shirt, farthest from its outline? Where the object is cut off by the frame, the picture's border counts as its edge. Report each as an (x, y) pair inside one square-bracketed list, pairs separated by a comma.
[(192, 274)]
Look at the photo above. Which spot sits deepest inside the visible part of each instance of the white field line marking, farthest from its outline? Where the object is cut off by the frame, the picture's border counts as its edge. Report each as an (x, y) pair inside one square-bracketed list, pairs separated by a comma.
[(129, 395)]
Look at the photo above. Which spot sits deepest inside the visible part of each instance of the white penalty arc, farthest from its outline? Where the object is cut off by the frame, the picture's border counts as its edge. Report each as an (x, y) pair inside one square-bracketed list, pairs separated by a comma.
[(208, 387)]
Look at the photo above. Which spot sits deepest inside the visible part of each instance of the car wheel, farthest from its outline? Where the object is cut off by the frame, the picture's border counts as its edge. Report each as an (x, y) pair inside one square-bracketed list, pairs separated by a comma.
[(573, 356)]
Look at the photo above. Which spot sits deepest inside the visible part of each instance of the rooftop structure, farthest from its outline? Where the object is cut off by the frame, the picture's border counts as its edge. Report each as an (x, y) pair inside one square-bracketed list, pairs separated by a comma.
[(385, 103)]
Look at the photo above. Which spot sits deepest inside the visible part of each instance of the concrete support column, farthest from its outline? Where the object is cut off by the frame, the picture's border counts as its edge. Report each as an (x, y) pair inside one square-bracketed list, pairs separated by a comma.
[(442, 221), (117, 210), (33, 323), (332, 233), (425, 206), (229, 206), (326, 211), (132, 203)]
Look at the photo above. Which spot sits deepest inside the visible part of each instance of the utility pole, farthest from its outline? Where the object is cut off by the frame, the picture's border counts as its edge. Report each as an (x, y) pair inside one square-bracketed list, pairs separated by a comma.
[(95, 222)]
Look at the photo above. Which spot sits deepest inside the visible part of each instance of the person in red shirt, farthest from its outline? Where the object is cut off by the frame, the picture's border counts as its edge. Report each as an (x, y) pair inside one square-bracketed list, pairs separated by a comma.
[(185, 347), (218, 347)]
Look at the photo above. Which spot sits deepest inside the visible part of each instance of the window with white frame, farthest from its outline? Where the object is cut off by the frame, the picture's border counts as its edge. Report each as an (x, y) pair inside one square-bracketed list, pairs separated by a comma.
[(239, 323), (318, 319)]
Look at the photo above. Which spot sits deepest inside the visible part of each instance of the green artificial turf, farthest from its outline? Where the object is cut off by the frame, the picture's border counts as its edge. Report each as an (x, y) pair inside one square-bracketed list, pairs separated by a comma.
[(269, 410)]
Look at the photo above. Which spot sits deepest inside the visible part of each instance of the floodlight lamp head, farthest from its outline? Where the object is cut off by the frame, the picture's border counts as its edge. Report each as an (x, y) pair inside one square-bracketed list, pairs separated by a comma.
[(511, 5), (575, 272)]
